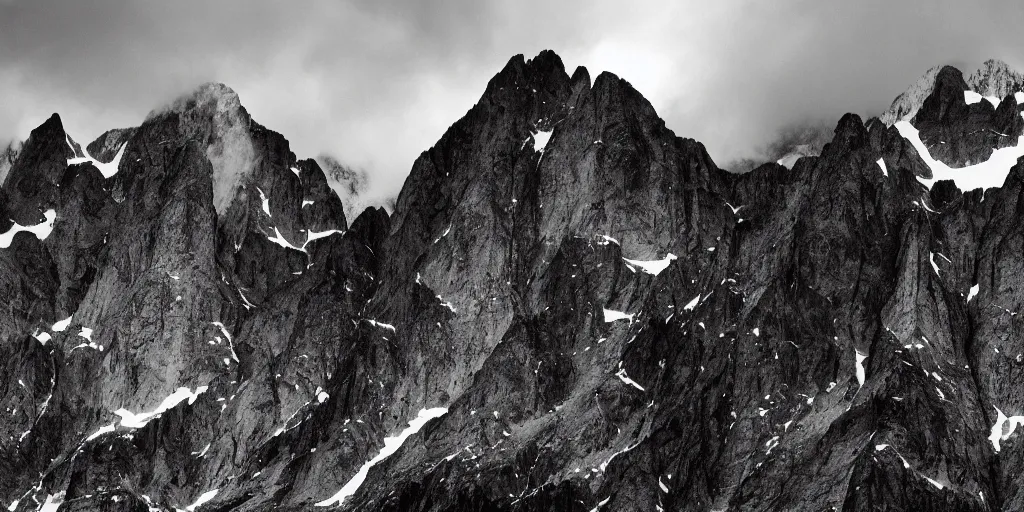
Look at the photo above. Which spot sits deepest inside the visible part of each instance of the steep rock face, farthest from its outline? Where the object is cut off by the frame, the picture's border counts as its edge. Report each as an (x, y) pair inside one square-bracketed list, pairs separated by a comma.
[(105, 148), (589, 312), (906, 105)]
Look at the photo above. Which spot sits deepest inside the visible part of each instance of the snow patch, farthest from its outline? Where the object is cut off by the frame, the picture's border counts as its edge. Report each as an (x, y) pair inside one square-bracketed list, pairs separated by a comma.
[(692, 304), (988, 174), (447, 304), (43, 337), (391, 445), (245, 302), (102, 430), (973, 293), (604, 465), (540, 140), (202, 453), (881, 165), (1001, 431), (231, 343), (860, 367), (931, 258), (610, 315), (41, 230), (133, 420), (279, 239), (106, 169), (316, 235), (971, 97), (87, 334), (203, 498), (382, 325), (653, 267), (601, 504), (91, 344), (446, 231), (53, 502), (621, 374), (266, 202)]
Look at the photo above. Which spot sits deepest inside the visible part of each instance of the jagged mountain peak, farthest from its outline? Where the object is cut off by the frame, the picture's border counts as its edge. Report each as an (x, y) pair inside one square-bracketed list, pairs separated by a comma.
[(519, 71), (580, 76), (906, 105), (206, 113), (950, 76), (996, 78), (38, 169), (52, 128), (994, 81), (210, 98), (213, 115)]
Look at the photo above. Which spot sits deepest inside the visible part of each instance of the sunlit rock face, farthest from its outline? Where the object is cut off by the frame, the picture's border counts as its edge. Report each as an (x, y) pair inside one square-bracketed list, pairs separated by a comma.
[(570, 308)]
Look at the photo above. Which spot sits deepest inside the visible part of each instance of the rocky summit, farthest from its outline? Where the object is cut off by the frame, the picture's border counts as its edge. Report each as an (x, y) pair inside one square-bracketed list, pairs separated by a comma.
[(570, 308)]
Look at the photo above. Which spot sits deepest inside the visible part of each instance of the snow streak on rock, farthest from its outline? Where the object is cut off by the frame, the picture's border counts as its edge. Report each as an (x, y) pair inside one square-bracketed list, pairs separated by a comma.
[(859, 361), (391, 445), (139, 420), (610, 315)]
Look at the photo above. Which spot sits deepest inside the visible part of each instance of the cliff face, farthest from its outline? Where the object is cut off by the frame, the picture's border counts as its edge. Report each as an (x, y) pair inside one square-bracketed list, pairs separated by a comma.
[(574, 308)]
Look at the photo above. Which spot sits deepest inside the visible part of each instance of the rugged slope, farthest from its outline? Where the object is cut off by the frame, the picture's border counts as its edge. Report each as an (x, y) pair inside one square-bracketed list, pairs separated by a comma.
[(576, 309)]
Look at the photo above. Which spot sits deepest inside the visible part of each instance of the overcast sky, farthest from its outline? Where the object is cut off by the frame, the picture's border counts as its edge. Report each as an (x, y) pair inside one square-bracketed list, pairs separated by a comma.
[(376, 82)]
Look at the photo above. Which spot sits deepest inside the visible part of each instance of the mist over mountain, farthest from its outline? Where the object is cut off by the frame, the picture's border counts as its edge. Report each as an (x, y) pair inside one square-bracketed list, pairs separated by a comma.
[(792, 142), (8, 155), (350, 184), (569, 307)]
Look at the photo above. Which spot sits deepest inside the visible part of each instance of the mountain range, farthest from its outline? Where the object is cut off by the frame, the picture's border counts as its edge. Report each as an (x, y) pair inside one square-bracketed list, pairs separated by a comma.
[(569, 308)]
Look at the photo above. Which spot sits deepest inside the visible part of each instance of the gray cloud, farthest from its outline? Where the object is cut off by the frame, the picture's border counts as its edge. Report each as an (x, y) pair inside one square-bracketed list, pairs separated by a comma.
[(374, 83)]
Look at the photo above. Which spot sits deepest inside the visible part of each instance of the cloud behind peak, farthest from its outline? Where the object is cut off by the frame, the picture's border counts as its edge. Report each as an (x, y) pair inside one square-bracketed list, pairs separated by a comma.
[(374, 83)]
